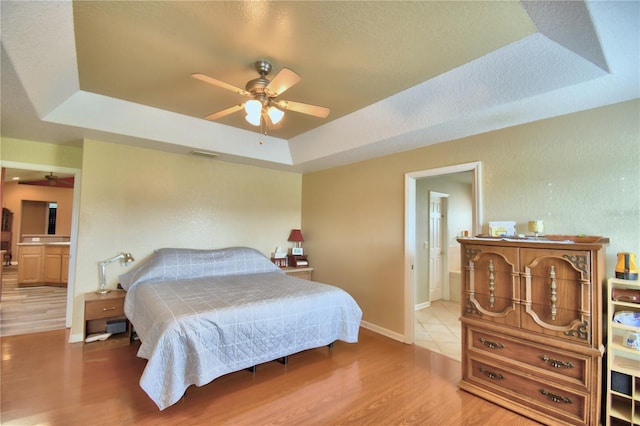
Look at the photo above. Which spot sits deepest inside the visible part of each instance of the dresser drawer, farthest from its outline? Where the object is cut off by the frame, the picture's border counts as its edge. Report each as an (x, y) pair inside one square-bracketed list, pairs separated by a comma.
[(104, 309), (566, 405), (560, 364)]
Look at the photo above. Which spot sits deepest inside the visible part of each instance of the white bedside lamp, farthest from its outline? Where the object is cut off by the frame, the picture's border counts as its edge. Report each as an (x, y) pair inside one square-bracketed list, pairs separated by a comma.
[(126, 258)]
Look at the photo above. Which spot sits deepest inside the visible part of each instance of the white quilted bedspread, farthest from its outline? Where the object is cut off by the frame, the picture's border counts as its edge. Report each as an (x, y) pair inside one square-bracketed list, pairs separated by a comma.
[(195, 330)]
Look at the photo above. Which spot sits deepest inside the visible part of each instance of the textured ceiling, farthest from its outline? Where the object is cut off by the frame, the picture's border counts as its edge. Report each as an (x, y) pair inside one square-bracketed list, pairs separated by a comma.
[(396, 75), (349, 54)]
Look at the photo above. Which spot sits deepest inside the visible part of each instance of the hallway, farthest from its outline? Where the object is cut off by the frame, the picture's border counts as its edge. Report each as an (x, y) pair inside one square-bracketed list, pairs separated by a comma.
[(437, 328)]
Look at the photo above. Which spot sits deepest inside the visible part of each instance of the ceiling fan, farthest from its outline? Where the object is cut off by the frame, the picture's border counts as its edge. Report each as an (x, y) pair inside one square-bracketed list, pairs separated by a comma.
[(263, 107), (53, 180)]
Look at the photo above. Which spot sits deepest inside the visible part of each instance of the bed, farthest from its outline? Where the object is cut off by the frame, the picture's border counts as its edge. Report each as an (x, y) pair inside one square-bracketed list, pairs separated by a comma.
[(201, 314)]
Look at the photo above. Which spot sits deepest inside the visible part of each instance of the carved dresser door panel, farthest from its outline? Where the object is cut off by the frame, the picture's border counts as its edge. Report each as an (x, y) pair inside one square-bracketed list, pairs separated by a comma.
[(493, 290), (557, 294)]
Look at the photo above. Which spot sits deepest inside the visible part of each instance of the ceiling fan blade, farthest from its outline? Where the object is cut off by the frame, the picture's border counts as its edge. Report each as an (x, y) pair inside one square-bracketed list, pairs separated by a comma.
[(224, 112), (316, 111), (221, 84), (281, 82)]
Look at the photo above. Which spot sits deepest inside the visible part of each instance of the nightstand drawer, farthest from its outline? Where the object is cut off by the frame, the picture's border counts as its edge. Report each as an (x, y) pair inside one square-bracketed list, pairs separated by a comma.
[(97, 306), (104, 309)]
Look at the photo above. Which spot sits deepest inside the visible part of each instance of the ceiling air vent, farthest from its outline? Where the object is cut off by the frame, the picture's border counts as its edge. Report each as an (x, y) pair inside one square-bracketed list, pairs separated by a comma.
[(207, 154)]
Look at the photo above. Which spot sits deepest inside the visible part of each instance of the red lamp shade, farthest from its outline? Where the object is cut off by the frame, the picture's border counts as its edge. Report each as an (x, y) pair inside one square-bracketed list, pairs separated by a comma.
[(296, 236)]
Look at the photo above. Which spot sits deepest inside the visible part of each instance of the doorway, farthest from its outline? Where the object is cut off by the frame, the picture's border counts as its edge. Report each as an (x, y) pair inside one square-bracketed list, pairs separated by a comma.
[(48, 215), (415, 248)]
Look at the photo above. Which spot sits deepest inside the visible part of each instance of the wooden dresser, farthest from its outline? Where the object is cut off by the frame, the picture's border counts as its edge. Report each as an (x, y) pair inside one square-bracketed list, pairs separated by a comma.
[(531, 320)]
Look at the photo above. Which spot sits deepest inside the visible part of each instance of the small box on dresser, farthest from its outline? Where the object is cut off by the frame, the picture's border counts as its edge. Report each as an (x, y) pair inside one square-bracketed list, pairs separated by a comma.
[(532, 338)]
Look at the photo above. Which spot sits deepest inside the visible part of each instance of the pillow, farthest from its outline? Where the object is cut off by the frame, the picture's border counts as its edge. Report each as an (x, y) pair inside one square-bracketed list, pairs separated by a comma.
[(171, 264)]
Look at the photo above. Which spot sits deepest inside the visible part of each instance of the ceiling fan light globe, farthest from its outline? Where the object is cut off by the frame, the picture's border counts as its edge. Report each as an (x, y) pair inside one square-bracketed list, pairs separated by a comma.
[(253, 119), (254, 110), (253, 107), (275, 114)]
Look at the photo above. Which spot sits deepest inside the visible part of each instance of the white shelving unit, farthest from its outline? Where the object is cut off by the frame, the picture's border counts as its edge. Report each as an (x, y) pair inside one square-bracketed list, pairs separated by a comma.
[(623, 362)]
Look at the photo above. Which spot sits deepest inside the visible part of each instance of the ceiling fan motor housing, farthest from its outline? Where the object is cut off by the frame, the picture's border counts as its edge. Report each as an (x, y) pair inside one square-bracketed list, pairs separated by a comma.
[(256, 86)]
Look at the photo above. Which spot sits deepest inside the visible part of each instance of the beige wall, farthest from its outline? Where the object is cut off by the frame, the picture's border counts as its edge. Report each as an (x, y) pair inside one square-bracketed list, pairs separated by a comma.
[(580, 173), (138, 200), (21, 151)]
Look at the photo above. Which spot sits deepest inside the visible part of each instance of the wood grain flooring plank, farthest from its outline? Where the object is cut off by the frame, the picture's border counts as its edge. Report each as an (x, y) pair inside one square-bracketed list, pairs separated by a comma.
[(30, 309), (376, 381)]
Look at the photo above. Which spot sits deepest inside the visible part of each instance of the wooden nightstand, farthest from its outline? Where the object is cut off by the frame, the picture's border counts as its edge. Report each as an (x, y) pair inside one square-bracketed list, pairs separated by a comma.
[(102, 310), (304, 272)]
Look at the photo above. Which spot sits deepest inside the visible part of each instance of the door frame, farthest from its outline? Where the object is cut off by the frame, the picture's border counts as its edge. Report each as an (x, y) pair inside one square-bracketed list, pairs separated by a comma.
[(74, 222), (410, 227)]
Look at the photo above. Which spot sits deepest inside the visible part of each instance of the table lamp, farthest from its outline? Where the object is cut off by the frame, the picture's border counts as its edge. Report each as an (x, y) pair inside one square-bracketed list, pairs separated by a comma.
[(126, 258), (537, 227), (296, 237)]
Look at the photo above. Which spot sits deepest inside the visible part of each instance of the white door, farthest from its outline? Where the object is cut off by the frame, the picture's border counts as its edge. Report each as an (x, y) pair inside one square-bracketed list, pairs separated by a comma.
[(435, 244)]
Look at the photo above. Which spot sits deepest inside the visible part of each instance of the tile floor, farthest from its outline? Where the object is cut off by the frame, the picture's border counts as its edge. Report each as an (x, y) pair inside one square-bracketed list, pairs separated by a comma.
[(437, 328)]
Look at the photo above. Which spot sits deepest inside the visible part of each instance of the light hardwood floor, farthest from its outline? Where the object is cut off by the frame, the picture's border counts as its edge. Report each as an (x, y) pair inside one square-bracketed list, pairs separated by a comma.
[(30, 309), (377, 381)]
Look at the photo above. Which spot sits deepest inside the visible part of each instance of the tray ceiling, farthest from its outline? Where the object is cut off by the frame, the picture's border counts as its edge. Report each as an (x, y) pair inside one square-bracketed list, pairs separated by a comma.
[(396, 75)]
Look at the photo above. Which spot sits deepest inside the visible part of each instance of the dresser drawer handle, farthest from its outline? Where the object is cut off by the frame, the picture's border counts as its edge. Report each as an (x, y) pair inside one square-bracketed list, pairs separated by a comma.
[(556, 398), (491, 374), (555, 362), (491, 345), (112, 308)]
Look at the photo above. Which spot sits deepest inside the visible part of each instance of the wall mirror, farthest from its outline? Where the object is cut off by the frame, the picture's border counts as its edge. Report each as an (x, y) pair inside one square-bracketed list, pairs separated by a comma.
[(38, 218)]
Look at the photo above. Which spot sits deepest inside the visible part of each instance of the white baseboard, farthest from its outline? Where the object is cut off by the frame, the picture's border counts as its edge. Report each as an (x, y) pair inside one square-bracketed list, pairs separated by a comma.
[(422, 306), (75, 338), (388, 333)]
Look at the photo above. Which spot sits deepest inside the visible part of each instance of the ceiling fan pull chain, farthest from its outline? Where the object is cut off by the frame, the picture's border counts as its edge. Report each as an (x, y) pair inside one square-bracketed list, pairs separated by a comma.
[(263, 129)]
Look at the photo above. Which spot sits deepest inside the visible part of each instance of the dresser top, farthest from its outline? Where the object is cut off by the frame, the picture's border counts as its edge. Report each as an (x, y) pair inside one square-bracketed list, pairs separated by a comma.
[(531, 242)]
